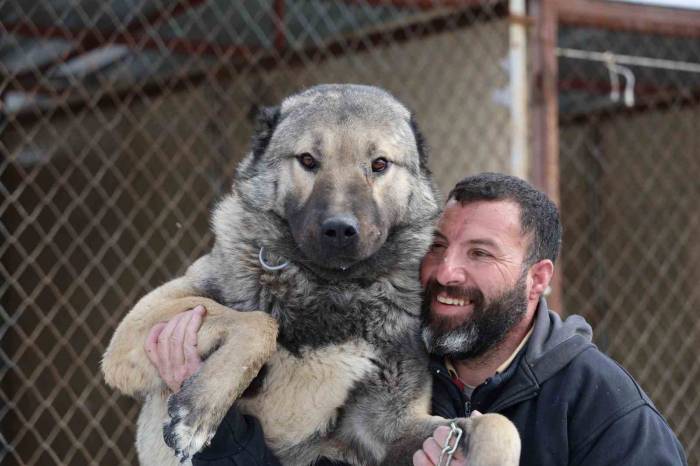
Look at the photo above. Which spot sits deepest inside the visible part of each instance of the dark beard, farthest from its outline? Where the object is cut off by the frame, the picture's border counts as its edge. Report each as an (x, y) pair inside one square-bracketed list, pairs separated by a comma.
[(459, 338)]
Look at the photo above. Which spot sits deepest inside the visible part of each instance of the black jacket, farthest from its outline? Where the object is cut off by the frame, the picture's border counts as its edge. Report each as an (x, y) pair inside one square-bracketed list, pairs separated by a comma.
[(571, 404)]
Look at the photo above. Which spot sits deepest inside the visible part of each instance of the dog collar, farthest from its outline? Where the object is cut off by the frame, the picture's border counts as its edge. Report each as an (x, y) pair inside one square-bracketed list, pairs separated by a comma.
[(268, 267)]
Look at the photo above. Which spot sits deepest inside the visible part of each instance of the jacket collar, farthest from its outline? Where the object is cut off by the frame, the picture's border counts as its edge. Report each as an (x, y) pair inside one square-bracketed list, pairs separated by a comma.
[(555, 342)]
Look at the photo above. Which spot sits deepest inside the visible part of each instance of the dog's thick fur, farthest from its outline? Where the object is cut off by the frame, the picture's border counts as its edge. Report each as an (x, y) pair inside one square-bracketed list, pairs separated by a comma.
[(347, 378)]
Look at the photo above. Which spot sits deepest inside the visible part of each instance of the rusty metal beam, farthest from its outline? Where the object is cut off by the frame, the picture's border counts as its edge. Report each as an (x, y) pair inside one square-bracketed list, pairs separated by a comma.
[(425, 4), (545, 98), (545, 115), (158, 16), (87, 40), (629, 17), (660, 102), (92, 38), (177, 45), (641, 89), (235, 60), (278, 19)]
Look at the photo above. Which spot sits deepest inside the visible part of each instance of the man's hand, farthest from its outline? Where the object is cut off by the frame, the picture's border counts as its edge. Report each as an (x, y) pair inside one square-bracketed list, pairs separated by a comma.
[(172, 347), (432, 447)]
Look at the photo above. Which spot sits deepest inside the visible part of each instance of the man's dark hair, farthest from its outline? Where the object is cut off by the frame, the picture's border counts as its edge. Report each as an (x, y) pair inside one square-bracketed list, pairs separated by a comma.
[(539, 216)]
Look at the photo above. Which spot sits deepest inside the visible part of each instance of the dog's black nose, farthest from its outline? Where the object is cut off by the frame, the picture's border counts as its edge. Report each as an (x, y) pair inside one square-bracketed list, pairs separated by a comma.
[(340, 231)]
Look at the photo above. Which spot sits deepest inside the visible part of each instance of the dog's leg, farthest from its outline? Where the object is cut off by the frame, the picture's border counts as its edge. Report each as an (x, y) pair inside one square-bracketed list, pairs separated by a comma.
[(150, 446), (487, 440), (234, 344), (198, 408), (125, 365)]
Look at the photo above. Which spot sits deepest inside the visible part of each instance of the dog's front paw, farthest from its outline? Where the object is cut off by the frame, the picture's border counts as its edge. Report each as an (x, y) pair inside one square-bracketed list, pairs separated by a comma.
[(191, 426), (492, 441)]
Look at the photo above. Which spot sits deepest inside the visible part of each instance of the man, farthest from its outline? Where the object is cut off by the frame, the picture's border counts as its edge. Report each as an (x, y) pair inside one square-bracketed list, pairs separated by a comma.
[(495, 346)]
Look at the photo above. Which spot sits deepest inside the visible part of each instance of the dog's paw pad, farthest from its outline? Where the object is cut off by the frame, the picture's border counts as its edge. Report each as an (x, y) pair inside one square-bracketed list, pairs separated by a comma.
[(186, 440), (185, 433)]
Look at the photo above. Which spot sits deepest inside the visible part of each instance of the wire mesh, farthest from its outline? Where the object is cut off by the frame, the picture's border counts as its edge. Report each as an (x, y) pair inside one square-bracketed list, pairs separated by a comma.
[(121, 124), (630, 185)]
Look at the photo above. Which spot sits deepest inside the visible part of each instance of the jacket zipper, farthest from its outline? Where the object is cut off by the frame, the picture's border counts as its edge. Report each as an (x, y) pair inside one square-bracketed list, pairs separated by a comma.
[(467, 408)]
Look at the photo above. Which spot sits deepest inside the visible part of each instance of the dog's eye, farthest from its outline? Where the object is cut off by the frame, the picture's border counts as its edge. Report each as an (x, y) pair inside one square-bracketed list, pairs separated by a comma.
[(307, 161), (379, 165)]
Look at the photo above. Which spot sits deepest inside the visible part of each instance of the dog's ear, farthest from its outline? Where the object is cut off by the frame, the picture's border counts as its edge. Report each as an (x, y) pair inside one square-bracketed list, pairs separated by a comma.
[(421, 145), (265, 124)]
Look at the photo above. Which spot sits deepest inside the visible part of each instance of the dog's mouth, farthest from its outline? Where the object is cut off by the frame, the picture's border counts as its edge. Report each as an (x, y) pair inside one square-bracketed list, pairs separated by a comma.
[(340, 264), (341, 259), (337, 268)]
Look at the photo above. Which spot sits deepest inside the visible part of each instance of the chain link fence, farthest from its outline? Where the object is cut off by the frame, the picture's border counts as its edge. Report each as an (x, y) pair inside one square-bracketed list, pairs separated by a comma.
[(630, 186), (122, 122)]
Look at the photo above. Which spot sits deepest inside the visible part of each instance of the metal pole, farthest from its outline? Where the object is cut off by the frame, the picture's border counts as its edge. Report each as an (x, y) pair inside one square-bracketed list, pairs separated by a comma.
[(519, 158), (545, 170)]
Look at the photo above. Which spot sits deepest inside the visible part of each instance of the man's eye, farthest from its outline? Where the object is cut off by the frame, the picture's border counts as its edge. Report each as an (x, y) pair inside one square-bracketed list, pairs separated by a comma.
[(480, 253), (307, 161), (437, 247)]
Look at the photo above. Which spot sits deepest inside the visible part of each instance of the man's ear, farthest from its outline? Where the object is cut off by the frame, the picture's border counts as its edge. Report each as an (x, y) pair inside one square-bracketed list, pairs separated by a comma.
[(265, 124), (540, 274)]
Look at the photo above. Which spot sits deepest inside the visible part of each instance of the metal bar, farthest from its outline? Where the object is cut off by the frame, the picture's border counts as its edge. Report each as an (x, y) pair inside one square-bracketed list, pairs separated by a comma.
[(158, 16), (89, 38), (95, 38), (545, 161), (519, 158), (176, 45), (28, 79), (545, 99), (660, 102), (278, 20), (246, 59), (601, 87), (673, 65), (629, 17), (403, 33), (426, 4)]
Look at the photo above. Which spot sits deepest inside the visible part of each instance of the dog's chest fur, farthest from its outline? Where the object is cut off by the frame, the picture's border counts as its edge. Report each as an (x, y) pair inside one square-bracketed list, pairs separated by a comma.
[(314, 314), (301, 398), (334, 339)]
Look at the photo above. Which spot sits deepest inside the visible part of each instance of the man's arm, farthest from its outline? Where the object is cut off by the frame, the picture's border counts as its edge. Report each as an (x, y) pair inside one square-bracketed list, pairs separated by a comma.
[(640, 437)]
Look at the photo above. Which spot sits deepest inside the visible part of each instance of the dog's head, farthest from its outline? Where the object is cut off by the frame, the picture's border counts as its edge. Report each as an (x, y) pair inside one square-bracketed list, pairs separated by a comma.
[(344, 166)]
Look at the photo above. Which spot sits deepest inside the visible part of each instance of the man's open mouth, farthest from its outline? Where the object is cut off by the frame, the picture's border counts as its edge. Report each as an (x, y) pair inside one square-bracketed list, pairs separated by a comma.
[(452, 301)]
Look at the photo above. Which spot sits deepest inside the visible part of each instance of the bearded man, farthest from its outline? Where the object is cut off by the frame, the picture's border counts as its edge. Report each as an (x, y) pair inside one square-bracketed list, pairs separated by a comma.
[(495, 345), (497, 348)]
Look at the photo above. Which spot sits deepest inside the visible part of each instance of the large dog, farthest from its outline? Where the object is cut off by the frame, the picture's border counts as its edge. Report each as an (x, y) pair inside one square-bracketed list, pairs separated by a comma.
[(328, 219)]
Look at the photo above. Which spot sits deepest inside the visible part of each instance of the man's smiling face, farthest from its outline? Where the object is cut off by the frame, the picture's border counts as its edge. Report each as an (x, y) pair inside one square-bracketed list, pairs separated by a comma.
[(475, 279)]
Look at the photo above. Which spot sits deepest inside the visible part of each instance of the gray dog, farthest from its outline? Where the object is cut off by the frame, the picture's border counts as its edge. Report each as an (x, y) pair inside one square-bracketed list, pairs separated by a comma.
[(328, 219)]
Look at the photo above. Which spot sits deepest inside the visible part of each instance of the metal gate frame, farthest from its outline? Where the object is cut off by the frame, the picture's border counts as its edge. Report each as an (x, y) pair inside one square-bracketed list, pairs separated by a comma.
[(546, 16)]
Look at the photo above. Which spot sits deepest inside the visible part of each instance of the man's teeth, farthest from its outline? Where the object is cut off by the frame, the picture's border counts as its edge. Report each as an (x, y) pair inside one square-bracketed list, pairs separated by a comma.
[(451, 301)]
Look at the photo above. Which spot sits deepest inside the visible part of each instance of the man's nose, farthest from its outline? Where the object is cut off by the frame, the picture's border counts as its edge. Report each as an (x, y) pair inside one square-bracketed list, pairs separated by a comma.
[(451, 271)]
